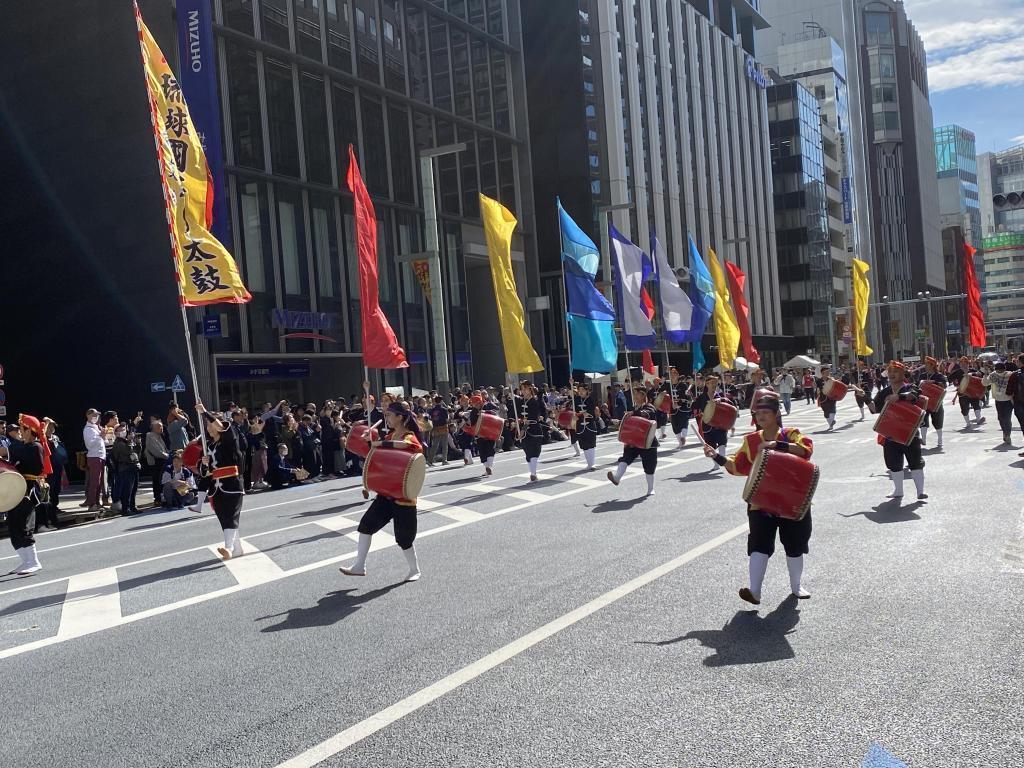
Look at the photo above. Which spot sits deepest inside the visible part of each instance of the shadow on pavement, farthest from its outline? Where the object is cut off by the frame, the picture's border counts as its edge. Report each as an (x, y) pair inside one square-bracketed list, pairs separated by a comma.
[(747, 638), (616, 505), (329, 609), (708, 474), (330, 510), (891, 511), (162, 523)]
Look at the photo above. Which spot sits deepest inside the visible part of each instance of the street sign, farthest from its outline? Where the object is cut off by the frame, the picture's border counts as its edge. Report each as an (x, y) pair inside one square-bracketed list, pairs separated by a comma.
[(177, 385), (158, 386), (212, 326), (1, 371), (3, 397), (3, 410)]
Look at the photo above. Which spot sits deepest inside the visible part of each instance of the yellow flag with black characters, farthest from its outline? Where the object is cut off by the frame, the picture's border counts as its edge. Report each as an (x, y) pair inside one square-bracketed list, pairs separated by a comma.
[(206, 272)]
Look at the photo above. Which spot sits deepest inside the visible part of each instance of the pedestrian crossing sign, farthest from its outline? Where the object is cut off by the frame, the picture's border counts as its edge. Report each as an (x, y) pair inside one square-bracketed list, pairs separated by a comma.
[(177, 385)]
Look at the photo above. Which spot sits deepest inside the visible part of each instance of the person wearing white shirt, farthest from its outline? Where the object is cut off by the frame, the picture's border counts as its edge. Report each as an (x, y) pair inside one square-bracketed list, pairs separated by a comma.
[(785, 383), (96, 459)]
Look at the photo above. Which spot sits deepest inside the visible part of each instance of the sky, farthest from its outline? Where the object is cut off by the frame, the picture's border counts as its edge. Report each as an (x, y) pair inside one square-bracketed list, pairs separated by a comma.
[(975, 66)]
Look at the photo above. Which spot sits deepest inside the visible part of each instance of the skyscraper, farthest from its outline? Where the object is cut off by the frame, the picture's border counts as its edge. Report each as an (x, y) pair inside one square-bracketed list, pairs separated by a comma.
[(1001, 189)]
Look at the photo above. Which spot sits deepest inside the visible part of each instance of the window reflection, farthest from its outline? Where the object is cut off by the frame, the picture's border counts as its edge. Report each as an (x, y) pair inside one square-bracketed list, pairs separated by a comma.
[(307, 28), (314, 124), (274, 22), (284, 143), (244, 102), (339, 34)]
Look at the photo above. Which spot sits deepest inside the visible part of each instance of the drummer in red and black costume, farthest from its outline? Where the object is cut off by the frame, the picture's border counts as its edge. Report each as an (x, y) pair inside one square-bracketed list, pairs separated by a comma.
[(682, 412), (895, 453), (716, 438), (795, 535), (464, 439), (485, 449), (660, 387), (827, 404), (535, 415), (30, 456), (648, 456), (966, 368), (571, 405), (866, 381), (405, 436), (219, 477), (587, 416), (935, 418)]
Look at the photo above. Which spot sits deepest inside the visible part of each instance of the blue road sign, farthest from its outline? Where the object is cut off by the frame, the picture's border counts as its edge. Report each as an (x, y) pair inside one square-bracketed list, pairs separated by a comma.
[(212, 326), (157, 386), (177, 385), (879, 757)]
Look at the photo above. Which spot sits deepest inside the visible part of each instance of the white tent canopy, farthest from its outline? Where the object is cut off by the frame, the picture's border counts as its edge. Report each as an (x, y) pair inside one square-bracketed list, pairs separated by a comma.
[(802, 361)]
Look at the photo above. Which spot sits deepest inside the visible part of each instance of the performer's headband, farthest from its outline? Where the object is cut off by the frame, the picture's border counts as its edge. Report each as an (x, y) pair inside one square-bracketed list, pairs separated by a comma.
[(896, 365), (931, 361), (767, 404)]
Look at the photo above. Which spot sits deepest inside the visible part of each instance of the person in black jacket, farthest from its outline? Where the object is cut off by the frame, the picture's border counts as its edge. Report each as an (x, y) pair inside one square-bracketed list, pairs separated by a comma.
[(219, 475), (647, 456), (895, 453)]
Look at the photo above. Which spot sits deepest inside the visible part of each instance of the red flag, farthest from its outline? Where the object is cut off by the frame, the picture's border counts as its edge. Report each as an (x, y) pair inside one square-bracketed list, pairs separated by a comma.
[(736, 282), (380, 346), (975, 317), (648, 362)]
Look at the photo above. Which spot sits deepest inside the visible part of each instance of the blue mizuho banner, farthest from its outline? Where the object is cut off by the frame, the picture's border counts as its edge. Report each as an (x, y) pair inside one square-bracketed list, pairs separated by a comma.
[(197, 77)]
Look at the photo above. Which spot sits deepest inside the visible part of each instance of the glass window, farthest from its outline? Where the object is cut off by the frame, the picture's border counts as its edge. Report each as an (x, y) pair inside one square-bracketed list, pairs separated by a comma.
[(488, 168), (496, 18), (244, 101), (416, 30), (325, 247), (274, 22), (339, 35), (344, 106), (394, 57), (307, 29), (481, 83), (375, 165), (506, 174), (352, 273), (238, 15), (291, 233), (257, 269), (314, 127), (457, 8), (284, 142), (499, 89), (467, 170), (440, 64), (879, 28), (367, 43), (401, 155), (884, 94), (460, 73)]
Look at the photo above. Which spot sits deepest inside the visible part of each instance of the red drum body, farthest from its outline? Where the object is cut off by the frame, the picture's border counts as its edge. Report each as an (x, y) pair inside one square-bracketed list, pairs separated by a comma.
[(719, 414), (637, 432), (567, 420), (357, 439), (899, 421), (972, 387), (394, 473), (663, 402), (487, 427), (782, 484), (192, 454), (934, 392), (834, 389), (12, 487)]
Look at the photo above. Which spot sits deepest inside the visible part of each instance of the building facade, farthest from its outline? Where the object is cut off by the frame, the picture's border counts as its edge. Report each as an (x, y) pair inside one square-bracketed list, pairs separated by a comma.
[(658, 107), (297, 82), (1001, 193), (801, 216), (1004, 274)]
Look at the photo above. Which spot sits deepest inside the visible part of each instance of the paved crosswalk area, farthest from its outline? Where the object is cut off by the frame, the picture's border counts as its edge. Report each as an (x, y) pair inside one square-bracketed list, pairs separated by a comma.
[(562, 622)]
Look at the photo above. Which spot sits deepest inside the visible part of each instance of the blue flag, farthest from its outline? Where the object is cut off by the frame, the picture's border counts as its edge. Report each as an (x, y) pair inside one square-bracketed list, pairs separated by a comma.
[(590, 316), (702, 296), (698, 357), (630, 267)]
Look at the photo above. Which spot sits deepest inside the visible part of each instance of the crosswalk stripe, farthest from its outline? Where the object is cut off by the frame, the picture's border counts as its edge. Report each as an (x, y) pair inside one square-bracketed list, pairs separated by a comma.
[(254, 568), (92, 602), (336, 523), (526, 495), (381, 539), (451, 512)]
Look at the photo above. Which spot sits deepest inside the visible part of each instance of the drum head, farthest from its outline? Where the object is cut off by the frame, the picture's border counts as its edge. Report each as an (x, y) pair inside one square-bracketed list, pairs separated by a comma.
[(12, 489), (755, 476), (415, 476)]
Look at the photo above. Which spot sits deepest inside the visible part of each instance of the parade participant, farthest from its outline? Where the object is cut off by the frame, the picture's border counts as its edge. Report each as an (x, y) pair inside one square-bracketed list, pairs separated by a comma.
[(586, 423), (962, 368), (827, 405), (895, 453), (404, 436), (219, 477), (660, 387), (683, 410), (648, 456), (570, 405), (794, 535), (807, 385), (716, 438), (937, 417), (485, 448), (30, 456), (1015, 389), (997, 382), (866, 381), (464, 438), (534, 416)]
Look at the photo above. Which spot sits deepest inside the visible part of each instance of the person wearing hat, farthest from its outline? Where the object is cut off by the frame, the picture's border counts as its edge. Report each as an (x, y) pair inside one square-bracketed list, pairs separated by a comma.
[(866, 381), (30, 456), (220, 477), (896, 453), (795, 535), (716, 438), (827, 405), (648, 456), (997, 382), (587, 417), (485, 449), (964, 367), (534, 414), (937, 417)]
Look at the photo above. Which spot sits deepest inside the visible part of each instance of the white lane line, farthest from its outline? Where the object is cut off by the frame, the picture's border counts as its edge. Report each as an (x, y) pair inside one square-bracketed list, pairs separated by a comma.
[(431, 693), (454, 513), (337, 523), (379, 543), (253, 568), (381, 540), (92, 602), (526, 495)]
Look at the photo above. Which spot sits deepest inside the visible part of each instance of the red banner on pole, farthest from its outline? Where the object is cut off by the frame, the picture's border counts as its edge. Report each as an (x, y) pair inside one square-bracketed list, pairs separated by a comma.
[(975, 317), (736, 282), (380, 346)]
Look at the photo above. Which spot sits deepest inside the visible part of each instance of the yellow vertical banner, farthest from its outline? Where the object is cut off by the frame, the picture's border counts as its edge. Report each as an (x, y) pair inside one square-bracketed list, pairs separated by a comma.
[(861, 295), (499, 223), (422, 271), (727, 330), (206, 272)]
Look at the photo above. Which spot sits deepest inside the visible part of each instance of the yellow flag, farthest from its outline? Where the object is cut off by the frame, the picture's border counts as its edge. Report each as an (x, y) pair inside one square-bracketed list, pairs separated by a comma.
[(861, 294), (520, 356), (206, 272), (727, 330)]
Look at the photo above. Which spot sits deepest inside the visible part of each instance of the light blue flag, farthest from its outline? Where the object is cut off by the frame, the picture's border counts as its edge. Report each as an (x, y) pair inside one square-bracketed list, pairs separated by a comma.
[(594, 349), (698, 357), (578, 250), (702, 294)]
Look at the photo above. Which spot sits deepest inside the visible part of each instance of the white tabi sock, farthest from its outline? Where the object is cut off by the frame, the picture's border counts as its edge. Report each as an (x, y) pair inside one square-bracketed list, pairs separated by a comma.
[(918, 477), (924, 434), (620, 470), (967, 419), (533, 465), (861, 411), (30, 560), (591, 456), (489, 462), (796, 570), (758, 566), (21, 553), (650, 484), (977, 416), (362, 550), (467, 454), (576, 447), (938, 437), (897, 482), (831, 421), (229, 538), (200, 498), (414, 565)]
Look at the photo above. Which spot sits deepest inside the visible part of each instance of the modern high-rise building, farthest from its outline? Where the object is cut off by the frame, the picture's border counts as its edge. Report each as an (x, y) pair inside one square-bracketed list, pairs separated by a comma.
[(294, 82), (1004, 274), (1000, 189), (801, 216), (891, 122), (657, 109), (1001, 193)]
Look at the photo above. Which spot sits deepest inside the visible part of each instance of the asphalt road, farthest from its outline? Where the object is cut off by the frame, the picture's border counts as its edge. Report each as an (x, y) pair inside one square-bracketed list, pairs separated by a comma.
[(559, 623)]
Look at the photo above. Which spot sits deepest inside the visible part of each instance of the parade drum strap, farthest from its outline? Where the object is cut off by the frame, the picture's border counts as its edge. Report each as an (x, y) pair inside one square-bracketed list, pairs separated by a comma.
[(781, 484), (12, 487)]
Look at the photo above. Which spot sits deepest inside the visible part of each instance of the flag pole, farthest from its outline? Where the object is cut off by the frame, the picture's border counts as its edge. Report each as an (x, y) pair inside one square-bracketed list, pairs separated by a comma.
[(175, 253), (661, 304), (565, 301)]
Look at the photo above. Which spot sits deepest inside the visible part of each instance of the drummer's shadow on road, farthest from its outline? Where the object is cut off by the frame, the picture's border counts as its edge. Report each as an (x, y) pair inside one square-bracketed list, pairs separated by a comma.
[(329, 609), (747, 638), (891, 511), (615, 505)]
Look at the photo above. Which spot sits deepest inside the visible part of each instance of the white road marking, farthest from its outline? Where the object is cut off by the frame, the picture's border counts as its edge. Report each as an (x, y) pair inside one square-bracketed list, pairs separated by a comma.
[(431, 693), (381, 540), (451, 512), (337, 523), (92, 602), (526, 495), (253, 568)]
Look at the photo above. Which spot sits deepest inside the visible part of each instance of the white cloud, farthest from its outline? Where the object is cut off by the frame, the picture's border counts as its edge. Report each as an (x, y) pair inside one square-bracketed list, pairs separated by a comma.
[(1017, 140), (990, 65)]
